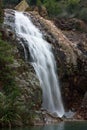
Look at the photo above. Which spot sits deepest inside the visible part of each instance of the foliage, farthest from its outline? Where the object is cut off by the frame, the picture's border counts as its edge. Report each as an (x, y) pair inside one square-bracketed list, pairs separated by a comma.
[(53, 7), (58, 8), (39, 3), (9, 91), (72, 5), (8, 110), (10, 3), (1, 12), (33, 2), (82, 14), (13, 108)]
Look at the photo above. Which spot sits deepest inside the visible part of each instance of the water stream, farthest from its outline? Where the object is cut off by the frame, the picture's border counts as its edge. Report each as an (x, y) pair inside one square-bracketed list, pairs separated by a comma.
[(43, 62), (81, 125)]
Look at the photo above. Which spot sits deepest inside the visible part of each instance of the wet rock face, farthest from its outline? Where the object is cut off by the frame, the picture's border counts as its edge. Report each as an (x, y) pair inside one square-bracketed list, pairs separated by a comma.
[(26, 79), (82, 111), (9, 17), (30, 90), (79, 77), (28, 82), (26, 76), (71, 59), (83, 108)]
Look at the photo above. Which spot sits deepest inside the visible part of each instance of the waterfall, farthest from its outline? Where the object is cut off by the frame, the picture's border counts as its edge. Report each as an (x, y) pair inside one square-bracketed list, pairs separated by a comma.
[(43, 62)]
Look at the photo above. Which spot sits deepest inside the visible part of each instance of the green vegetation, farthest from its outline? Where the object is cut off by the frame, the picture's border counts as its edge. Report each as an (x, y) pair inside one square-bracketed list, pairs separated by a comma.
[(57, 8), (10, 3), (82, 14), (72, 5), (1, 12), (13, 108), (9, 92), (62, 8)]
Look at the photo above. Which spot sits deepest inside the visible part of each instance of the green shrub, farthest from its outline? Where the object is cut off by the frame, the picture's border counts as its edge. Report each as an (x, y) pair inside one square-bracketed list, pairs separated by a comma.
[(53, 8), (9, 90), (13, 107), (82, 14), (1, 12), (72, 5)]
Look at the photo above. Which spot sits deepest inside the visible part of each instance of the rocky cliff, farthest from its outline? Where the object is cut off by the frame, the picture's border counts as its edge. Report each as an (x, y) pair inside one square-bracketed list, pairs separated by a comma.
[(71, 59), (25, 78)]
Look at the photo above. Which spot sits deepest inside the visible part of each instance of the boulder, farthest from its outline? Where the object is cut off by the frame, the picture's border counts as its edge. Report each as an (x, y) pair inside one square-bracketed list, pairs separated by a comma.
[(22, 6)]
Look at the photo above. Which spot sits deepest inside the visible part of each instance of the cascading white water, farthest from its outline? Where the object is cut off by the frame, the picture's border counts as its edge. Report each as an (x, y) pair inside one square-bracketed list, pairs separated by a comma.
[(43, 62)]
